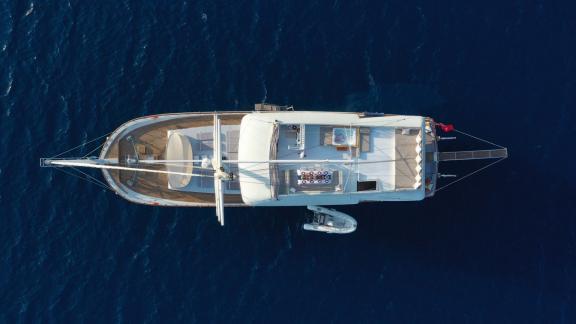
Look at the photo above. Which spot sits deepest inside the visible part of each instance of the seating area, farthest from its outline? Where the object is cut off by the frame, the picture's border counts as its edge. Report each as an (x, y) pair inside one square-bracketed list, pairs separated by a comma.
[(202, 143), (314, 176), (291, 182), (336, 143), (360, 137)]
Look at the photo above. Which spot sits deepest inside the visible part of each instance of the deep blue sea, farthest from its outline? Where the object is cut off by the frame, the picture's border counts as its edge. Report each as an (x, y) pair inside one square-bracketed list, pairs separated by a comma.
[(499, 247)]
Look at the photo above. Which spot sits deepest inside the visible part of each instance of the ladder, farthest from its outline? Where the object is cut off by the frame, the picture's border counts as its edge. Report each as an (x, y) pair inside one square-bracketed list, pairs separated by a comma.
[(473, 155)]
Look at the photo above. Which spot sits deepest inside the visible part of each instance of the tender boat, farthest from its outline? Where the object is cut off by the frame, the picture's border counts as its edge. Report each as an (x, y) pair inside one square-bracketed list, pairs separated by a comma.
[(330, 221), (274, 156)]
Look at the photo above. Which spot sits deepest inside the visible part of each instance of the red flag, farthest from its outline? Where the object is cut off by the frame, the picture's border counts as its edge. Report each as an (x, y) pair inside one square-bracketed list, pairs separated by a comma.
[(445, 127)]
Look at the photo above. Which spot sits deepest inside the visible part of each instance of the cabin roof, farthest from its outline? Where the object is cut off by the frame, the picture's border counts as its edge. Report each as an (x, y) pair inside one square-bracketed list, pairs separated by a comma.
[(254, 145)]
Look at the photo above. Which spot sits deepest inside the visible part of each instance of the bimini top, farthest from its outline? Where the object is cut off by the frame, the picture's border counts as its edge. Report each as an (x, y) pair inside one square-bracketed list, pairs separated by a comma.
[(330, 158), (256, 135), (178, 148)]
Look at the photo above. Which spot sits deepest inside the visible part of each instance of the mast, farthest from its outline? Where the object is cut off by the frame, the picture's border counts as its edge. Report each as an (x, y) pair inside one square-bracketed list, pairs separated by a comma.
[(219, 174)]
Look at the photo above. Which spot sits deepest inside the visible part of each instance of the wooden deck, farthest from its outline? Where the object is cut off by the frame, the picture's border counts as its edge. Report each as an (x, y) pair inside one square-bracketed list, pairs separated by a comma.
[(149, 142)]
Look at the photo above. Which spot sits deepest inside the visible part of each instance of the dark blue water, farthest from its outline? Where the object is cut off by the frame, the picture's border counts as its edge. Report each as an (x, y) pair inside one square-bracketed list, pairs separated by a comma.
[(499, 248)]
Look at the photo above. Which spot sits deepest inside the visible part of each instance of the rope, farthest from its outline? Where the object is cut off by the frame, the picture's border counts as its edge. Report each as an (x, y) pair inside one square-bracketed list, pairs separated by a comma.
[(94, 150), (76, 176), (477, 138), (470, 174), (476, 171), (104, 186), (96, 180), (72, 149)]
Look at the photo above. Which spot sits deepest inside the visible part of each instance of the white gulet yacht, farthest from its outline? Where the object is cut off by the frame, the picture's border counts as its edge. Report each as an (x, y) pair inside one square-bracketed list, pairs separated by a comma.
[(275, 156)]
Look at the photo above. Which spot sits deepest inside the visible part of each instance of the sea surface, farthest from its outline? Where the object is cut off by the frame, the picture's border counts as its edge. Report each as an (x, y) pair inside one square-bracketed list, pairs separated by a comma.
[(499, 247)]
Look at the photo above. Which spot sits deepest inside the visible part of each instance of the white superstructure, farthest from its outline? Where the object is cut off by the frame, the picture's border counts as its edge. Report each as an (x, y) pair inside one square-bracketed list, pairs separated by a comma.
[(362, 157)]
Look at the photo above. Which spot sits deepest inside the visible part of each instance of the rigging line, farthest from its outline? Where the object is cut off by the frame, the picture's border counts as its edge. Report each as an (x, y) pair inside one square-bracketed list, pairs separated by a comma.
[(470, 174), (283, 162), (244, 181), (347, 178), (78, 177), (72, 149), (115, 167), (389, 123), (183, 163), (347, 166), (265, 170), (176, 164), (191, 174), (99, 146), (345, 184), (91, 177), (477, 138)]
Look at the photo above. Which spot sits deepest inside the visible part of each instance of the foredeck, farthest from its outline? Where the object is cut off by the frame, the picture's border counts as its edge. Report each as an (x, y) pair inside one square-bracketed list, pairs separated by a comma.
[(146, 139)]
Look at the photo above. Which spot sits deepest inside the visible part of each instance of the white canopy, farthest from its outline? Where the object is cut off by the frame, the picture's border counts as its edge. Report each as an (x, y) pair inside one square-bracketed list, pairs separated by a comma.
[(178, 148), (255, 138)]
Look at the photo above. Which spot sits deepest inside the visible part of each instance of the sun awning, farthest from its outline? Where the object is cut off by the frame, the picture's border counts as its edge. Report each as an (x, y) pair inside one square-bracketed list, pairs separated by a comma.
[(178, 148), (255, 142)]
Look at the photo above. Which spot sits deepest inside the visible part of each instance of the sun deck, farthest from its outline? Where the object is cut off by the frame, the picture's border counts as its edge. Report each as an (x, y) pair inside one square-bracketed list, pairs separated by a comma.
[(386, 158), (201, 143)]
